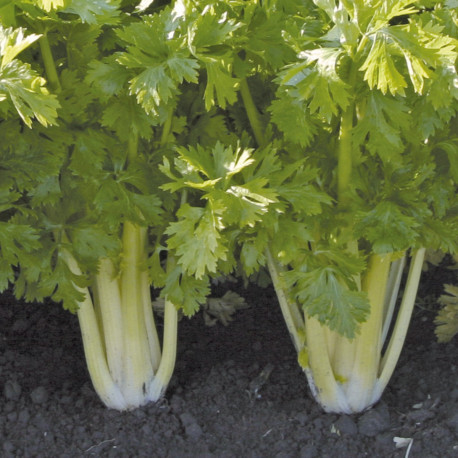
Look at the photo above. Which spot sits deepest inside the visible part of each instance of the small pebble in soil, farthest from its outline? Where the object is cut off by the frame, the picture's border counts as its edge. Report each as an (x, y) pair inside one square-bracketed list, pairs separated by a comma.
[(374, 421), (191, 427), (39, 395), (9, 407), (24, 416), (346, 425), (420, 415), (41, 422), (8, 447), (177, 403), (302, 417), (19, 326), (12, 390), (308, 451)]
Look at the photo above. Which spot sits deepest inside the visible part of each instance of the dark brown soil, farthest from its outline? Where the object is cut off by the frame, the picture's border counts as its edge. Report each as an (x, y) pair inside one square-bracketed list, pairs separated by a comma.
[(48, 407)]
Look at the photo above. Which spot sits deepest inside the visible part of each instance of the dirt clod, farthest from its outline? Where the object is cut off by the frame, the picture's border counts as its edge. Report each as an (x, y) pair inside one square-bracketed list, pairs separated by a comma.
[(12, 390)]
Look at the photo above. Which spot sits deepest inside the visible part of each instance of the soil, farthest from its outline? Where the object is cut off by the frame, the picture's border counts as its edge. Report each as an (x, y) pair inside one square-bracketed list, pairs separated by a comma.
[(211, 409)]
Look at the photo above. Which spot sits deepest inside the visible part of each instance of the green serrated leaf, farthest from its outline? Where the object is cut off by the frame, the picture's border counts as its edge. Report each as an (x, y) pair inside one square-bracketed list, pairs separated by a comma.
[(185, 292), (252, 254), (91, 243), (107, 75), (381, 126), (293, 119), (15, 241), (221, 86), (49, 5), (152, 87), (93, 12), (26, 91), (324, 296), (210, 29), (388, 228), (183, 69), (196, 239), (251, 201), (12, 42), (125, 116), (320, 84), (380, 70)]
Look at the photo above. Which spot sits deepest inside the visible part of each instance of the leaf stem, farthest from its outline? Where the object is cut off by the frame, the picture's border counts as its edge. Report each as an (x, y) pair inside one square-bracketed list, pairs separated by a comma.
[(166, 365), (363, 375), (50, 65), (345, 151), (167, 127), (252, 113), (345, 159), (292, 316), (320, 375), (108, 299), (137, 359), (132, 147), (150, 325), (169, 343), (101, 377), (392, 290), (391, 356)]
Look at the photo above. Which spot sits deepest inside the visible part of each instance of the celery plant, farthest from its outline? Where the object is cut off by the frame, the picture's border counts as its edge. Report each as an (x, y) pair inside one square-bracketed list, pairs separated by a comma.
[(365, 104), (85, 218), (96, 205)]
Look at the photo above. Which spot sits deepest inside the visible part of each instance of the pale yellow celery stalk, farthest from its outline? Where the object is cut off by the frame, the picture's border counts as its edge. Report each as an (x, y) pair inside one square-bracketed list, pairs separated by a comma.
[(166, 367), (320, 374), (108, 300), (291, 314), (147, 371), (137, 368), (353, 382), (94, 351), (120, 340), (391, 356), (164, 364), (342, 350), (141, 348), (342, 354), (361, 383), (153, 339), (392, 290), (342, 372)]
